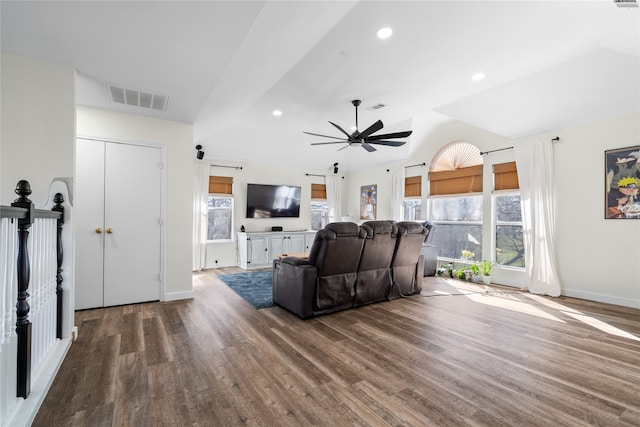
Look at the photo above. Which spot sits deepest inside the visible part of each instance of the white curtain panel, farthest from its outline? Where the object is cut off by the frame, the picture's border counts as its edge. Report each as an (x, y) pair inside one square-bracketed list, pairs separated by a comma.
[(334, 197), (397, 194), (200, 213), (534, 160)]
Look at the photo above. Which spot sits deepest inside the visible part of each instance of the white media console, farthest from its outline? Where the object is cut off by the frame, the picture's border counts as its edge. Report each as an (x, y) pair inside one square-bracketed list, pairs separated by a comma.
[(257, 250)]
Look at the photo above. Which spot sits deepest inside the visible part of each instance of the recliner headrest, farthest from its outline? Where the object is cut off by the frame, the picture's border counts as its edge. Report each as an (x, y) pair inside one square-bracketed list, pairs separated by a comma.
[(412, 228), (374, 228), (343, 229)]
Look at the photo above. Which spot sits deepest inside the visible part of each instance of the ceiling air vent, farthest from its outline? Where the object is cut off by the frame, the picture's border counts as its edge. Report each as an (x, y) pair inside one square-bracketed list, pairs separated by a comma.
[(626, 3), (136, 98), (376, 106)]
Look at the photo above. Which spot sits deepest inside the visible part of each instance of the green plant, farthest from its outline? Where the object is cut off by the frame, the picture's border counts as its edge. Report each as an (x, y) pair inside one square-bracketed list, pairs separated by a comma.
[(485, 266), (474, 269), (461, 274)]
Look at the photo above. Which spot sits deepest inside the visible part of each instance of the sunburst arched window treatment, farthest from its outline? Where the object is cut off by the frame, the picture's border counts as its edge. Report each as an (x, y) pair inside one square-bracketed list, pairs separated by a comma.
[(456, 169)]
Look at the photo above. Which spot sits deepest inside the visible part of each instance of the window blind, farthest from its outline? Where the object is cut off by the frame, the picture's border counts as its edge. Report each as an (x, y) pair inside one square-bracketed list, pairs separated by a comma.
[(413, 186), (319, 191), (221, 184), (505, 176), (460, 181)]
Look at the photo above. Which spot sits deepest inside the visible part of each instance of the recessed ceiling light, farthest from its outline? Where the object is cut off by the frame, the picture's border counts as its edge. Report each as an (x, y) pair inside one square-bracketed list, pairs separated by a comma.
[(277, 113), (478, 76), (384, 33)]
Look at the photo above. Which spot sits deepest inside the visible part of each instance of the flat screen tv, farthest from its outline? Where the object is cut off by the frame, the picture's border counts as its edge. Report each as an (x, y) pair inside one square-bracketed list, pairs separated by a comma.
[(273, 201)]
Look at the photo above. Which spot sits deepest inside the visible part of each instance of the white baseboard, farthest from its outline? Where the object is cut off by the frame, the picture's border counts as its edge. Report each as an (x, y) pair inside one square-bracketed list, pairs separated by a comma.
[(25, 411), (175, 296), (608, 299)]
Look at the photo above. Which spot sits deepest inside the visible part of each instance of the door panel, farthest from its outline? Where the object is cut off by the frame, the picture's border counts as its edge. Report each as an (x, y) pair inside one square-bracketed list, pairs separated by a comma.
[(132, 212), (88, 212)]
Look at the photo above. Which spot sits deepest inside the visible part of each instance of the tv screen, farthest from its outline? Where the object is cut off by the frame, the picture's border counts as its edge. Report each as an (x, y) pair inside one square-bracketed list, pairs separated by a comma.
[(273, 201)]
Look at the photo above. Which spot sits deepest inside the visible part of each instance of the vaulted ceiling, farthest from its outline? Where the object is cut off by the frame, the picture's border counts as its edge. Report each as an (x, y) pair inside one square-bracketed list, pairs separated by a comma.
[(224, 66)]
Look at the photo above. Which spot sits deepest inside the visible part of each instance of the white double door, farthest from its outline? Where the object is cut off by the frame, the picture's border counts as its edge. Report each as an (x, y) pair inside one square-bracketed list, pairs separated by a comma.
[(118, 223)]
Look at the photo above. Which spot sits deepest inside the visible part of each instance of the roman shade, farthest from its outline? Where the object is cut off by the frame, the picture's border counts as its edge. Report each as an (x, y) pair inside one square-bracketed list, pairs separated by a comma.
[(459, 181), (505, 176), (413, 186), (319, 191), (221, 184)]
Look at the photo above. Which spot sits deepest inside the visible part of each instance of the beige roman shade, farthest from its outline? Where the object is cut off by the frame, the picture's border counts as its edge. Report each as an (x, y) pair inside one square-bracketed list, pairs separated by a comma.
[(221, 184), (505, 176), (413, 186), (319, 191), (460, 181)]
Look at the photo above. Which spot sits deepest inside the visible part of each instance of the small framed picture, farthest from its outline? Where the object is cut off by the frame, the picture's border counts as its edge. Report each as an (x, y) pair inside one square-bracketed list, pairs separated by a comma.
[(622, 183)]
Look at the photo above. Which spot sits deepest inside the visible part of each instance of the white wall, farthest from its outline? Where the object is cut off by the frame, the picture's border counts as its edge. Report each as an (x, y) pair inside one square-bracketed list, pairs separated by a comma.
[(37, 126), (226, 253), (178, 139), (597, 258), (37, 143)]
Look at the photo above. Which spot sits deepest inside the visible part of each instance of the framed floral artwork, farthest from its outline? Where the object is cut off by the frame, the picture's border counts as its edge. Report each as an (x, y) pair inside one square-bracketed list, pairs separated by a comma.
[(368, 201), (622, 183)]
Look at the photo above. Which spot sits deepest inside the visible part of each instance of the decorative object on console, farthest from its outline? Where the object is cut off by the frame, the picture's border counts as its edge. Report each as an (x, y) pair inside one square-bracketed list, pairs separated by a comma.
[(364, 138), (622, 183)]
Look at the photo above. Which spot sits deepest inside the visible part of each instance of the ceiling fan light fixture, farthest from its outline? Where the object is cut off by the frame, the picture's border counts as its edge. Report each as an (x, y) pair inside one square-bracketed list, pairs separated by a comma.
[(384, 33)]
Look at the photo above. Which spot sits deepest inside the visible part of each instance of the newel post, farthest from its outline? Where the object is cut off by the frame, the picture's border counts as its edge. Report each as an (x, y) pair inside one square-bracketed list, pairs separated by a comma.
[(58, 199), (23, 325)]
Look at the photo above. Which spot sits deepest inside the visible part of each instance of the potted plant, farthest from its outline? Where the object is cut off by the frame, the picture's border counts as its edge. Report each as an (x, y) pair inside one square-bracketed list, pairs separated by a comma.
[(485, 267), (475, 273)]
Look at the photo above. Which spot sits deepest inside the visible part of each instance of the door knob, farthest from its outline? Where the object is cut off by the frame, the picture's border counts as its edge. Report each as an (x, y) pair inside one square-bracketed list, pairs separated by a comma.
[(98, 230), (109, 230)]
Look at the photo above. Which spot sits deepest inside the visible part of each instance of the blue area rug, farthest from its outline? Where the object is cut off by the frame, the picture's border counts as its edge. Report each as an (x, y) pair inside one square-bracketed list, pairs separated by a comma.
[(254, 287)]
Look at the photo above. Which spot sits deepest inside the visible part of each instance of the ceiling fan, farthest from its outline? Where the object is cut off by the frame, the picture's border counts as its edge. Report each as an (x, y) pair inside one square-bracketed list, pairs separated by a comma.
[(364, 138)]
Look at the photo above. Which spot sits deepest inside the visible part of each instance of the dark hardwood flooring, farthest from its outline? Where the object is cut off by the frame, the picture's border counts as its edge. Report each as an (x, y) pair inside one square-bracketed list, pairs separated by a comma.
[(499, 359)]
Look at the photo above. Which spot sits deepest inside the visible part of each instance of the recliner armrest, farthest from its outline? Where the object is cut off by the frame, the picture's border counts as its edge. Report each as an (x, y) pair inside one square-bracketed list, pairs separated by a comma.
[(294, 284)]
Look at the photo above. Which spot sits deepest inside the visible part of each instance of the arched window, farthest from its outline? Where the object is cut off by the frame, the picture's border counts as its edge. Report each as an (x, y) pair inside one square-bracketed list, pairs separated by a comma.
[(456, 201)]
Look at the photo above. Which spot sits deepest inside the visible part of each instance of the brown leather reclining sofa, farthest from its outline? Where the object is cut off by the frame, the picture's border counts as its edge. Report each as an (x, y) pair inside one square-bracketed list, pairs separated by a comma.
[(350, 266)]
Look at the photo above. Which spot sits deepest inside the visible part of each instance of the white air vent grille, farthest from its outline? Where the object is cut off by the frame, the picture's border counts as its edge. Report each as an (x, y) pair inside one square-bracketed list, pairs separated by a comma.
[(136, 98), (376, 106), (626, 3)]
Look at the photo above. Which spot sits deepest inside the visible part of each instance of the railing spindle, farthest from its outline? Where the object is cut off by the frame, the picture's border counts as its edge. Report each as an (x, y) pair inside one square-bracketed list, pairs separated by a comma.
[(23, 325), (59, 200)]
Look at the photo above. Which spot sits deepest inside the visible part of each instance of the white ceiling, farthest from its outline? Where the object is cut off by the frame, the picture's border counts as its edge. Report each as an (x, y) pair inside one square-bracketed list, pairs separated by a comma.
[(225, 65)]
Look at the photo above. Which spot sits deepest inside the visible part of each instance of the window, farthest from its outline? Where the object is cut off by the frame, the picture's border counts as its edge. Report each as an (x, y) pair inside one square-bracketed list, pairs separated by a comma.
[(220, 217), (509, 243), (455, 201), (319, 206), (413, 198), (459, 220), (220, 205), (508, 232)]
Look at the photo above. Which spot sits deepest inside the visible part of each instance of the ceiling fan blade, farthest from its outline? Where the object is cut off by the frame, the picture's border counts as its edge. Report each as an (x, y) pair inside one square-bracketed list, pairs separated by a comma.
[(371, 129), (346, 146), (391, 135), (330, 142), (390, 143), (341, 130), (368, 147), (325, 136)]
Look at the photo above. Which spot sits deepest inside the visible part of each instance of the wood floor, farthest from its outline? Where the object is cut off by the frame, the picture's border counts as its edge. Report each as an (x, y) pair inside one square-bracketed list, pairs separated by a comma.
[(497, 359)]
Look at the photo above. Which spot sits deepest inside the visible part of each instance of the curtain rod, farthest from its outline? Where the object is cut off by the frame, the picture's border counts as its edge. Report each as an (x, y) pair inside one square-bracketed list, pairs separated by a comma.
[(557, 138), (411, 166), (322, 176), (225, 166)]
